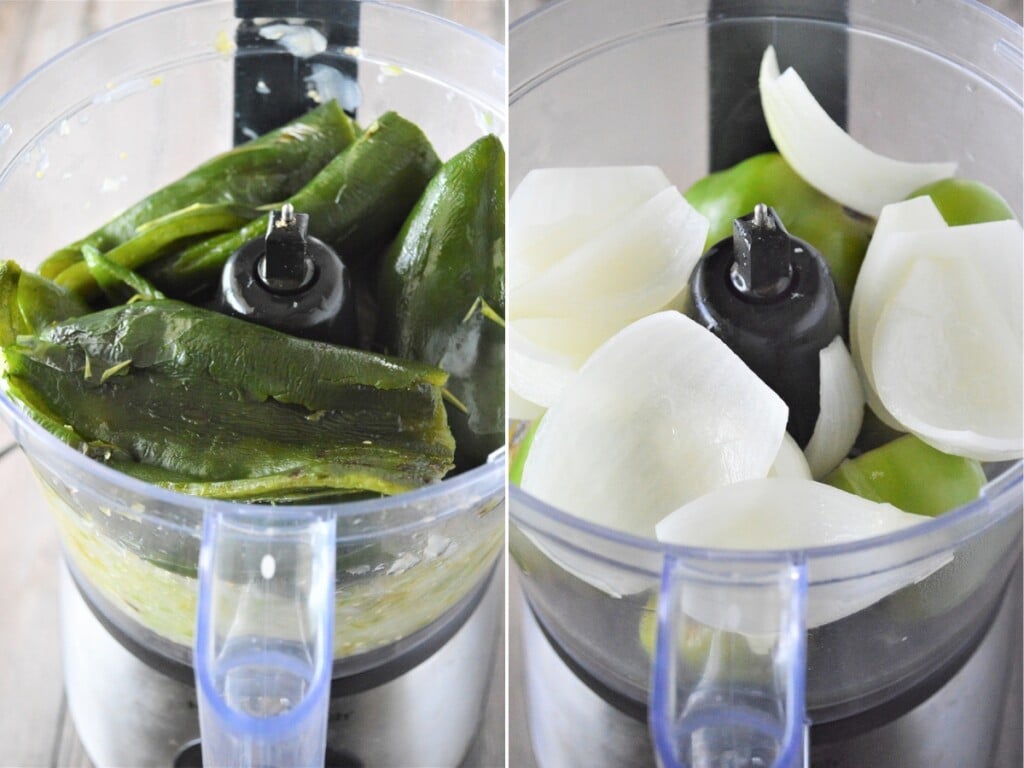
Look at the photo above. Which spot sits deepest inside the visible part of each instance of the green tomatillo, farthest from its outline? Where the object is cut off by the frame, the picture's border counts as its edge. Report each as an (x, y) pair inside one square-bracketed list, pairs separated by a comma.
[(963, 201), (911, 475)]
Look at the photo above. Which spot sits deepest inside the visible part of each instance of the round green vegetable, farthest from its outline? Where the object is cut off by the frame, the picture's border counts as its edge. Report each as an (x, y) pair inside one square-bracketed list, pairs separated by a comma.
[(962, 201), (911, 475)]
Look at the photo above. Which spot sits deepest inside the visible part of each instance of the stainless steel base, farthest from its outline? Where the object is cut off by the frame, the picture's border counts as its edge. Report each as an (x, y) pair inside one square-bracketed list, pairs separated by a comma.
[(960, 725), (128, 714)]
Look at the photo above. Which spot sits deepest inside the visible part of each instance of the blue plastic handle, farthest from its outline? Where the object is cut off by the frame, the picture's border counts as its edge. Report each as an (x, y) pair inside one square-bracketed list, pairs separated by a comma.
[(730, 663), (264, 638)]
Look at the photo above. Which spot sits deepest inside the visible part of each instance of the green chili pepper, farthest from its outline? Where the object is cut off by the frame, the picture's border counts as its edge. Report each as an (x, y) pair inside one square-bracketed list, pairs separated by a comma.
[(28, 303), (911, 475), (356, 204), (210, 405), (962, 201), (154, 238), (519, 453), (441, 293), (839, 235), (119, 283), (265, 170)]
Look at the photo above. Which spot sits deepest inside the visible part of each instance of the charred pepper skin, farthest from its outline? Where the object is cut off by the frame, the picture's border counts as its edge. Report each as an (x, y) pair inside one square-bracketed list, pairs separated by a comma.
[(356, 205), (265, 170), (441, 293), (213, 406)]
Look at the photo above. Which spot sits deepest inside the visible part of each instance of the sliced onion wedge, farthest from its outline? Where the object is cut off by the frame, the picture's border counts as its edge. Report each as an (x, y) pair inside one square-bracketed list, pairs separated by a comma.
[(884, 265), (660, 414), (536, 374), (787, 513), (555, 210), (630, 269), (790, 461), (841, 410), (946, 355), (826, 156), (543, 353)]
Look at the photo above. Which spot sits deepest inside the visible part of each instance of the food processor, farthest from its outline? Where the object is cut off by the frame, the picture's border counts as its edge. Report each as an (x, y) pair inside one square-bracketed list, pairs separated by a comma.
[(198, 631), (900, 650)]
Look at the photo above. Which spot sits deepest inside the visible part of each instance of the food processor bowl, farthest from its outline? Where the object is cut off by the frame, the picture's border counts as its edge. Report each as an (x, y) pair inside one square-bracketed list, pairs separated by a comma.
[(100, 127), (753, 646)]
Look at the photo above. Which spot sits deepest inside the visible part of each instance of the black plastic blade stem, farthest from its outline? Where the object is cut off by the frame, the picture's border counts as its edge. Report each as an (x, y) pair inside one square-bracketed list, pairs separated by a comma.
[(818, 51), (270, 83)]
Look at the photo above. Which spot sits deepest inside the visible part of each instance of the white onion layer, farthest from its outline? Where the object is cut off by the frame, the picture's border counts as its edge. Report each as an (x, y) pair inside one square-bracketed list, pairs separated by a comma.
[(784, 514), (884, 265), (827, 157), (661, 413), (790, 461), (553, 211), (947, 351), (841, 410), (630, 269)]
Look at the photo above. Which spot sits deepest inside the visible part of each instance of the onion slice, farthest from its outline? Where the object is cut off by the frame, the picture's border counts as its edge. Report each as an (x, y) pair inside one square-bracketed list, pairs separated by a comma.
[(555, 210), (841, 410), (784, 514), (536, 374), (790, 461), (884, 265), (630, 269), (826, 156), (946, 355), (661, 413)]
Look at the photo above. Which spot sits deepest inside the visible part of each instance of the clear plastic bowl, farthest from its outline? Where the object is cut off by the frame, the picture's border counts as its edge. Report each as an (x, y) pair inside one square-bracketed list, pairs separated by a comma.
[(606, 83), (133, 108)]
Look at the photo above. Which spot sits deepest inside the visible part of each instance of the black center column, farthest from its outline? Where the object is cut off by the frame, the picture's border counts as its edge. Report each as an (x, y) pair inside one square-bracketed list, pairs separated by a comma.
[(271, 85), (816, 49)]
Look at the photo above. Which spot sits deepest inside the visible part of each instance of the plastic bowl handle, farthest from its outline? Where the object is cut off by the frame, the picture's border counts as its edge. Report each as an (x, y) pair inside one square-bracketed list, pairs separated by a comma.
[(730, 664), (264, 638)]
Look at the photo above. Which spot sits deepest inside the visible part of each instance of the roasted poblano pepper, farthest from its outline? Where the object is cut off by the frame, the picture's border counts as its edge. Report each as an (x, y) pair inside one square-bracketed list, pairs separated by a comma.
[(840, 236), (263, 171), (441, 293), (213, 406), (356, 204), (28, 303)]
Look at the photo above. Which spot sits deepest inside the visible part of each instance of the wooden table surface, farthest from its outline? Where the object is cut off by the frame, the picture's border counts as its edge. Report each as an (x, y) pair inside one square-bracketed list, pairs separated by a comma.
[(35, 729)]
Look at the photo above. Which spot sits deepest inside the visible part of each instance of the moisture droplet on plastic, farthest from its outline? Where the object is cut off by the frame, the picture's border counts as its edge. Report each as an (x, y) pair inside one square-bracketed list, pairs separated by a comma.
[(43, 164), (262, 87), (65, 128), (267, 567), (329, 84), (112, 185), (249, 133), (5, 132), (436, 545), (224, 45), (406, 561), (298, 40)]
